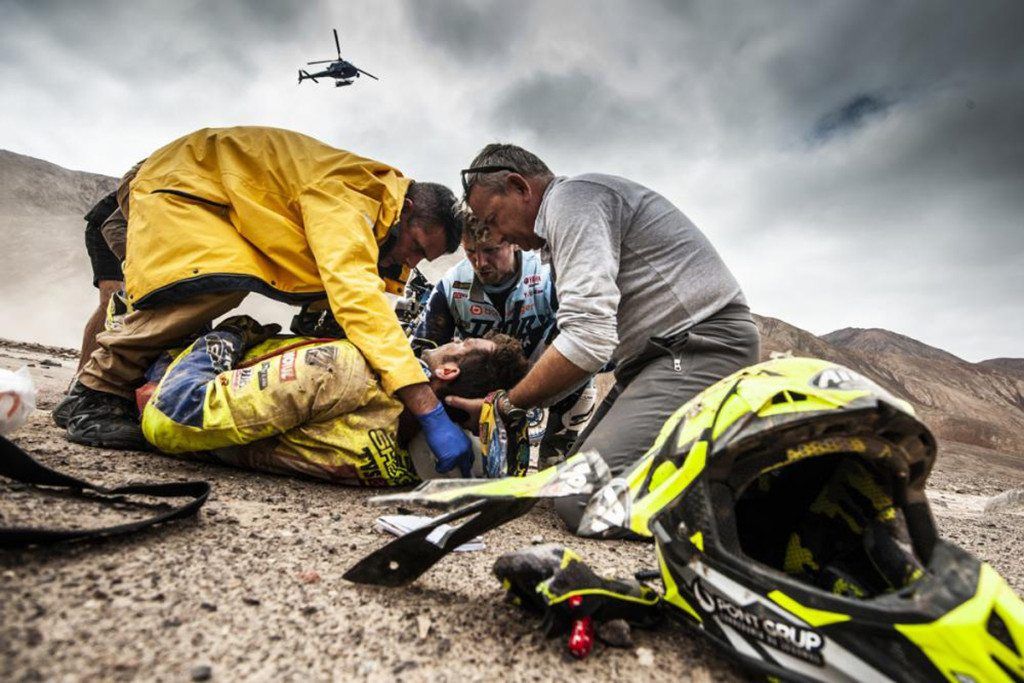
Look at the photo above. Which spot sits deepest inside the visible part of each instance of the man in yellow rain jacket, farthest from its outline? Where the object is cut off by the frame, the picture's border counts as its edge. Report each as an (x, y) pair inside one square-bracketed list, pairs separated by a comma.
[(226, 211), (305, 405)]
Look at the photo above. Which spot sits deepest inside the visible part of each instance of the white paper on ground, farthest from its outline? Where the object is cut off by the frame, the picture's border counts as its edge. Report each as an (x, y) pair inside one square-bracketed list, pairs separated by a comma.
[(399, 525)]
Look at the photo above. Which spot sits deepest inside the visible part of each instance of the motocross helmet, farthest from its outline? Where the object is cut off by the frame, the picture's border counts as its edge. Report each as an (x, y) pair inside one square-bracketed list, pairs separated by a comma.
[(791, 527)]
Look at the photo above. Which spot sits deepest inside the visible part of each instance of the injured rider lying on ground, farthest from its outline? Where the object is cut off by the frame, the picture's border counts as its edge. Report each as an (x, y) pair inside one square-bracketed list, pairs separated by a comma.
[(242, 396)]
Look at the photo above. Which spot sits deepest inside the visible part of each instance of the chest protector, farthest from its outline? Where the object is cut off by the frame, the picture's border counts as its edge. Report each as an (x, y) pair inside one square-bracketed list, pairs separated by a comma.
[(528, 313)]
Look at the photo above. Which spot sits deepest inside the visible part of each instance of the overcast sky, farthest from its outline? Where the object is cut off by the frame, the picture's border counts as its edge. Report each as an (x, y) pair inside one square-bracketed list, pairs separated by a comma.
[(856, 163)]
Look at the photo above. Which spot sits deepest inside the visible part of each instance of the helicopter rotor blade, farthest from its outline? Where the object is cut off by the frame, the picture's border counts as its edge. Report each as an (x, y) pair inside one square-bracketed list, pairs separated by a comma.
[(322, 61), (366, 73), (337, 44)]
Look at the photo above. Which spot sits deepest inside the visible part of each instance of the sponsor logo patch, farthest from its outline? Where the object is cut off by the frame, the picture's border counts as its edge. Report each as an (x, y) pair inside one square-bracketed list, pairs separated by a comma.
[(475, 310), (459, 295), (761, 624), (239, 378), (384, 462), (321, 356), (287, 371), (531, 279), (220, 352), (461, 285), (263, 375)]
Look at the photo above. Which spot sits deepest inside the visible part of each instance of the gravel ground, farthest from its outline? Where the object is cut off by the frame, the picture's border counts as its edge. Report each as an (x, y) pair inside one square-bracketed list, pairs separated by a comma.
[(252, 588)]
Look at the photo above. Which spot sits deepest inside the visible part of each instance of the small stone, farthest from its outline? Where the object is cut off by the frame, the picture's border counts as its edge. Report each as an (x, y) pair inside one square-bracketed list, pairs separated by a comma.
[(701, 675), (537, 540), (203, 672), (309, 576), (404, 666), (645, 656), (249, 600), (208, 606), (615, 633), (422, 626), (33, 636)]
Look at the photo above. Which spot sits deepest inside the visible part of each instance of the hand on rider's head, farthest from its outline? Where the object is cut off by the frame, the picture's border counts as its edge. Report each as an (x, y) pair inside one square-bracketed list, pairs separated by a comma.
[(468, 406)]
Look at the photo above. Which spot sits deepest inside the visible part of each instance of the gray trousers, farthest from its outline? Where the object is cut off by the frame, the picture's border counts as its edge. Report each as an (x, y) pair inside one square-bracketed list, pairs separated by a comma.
[(652, 386)]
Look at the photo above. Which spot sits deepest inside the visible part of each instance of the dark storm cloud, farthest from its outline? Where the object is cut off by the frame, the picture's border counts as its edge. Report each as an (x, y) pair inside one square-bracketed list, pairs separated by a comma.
[(848, 116), (477, 30), (574, 109), (834, 51), (150, 39)]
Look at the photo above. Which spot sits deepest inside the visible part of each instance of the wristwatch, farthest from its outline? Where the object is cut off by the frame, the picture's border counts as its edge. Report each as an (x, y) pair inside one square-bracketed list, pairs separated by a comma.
[(508, 412)]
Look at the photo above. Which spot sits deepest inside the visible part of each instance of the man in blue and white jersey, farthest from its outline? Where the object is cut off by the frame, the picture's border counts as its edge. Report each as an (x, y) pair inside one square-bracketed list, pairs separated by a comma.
[(501, 288)]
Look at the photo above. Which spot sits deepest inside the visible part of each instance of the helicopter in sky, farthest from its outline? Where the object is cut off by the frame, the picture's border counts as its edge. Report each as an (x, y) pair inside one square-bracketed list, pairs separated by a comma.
[(343, 72)]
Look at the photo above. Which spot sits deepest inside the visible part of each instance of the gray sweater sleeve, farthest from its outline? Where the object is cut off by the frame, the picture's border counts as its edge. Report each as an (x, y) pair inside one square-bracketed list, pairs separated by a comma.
[(583, 237)]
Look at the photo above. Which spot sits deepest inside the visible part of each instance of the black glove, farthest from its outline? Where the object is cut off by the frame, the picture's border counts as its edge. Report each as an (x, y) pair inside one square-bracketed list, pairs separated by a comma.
[(247, 329), (543, 579)]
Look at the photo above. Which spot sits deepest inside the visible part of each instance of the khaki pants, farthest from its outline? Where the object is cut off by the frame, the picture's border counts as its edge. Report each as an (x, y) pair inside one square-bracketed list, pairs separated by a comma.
[(119, 365)]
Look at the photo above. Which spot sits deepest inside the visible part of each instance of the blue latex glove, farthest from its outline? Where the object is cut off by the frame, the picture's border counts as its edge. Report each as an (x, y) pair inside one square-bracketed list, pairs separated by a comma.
[(449, 443)]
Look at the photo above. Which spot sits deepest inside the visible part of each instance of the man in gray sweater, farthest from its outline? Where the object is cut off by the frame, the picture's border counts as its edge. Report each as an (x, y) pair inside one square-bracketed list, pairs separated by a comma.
[(638, 284)]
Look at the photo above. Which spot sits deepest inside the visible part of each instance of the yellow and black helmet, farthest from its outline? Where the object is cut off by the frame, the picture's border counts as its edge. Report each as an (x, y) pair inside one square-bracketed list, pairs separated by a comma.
[(791, 527)]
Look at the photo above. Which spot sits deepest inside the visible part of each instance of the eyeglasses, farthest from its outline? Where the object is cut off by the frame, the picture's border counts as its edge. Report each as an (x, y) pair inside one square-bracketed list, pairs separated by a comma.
[(478, 170)]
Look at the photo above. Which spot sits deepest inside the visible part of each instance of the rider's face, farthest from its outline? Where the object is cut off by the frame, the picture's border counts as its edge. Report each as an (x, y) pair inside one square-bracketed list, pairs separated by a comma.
[(454, 351), (493, 262)]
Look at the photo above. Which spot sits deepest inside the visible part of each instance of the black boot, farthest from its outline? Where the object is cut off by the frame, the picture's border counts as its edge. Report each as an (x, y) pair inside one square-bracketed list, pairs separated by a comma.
[(62, 413), (106, 421), (554, 447)]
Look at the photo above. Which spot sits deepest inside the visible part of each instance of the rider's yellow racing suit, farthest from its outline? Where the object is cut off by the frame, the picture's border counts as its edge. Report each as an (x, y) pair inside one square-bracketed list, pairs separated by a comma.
[(295, 405)]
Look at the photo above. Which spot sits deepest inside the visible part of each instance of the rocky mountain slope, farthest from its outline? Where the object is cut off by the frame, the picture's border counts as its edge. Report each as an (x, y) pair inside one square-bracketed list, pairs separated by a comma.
[(883, 341), (1008, 366), (47, 284), (33, 187)]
